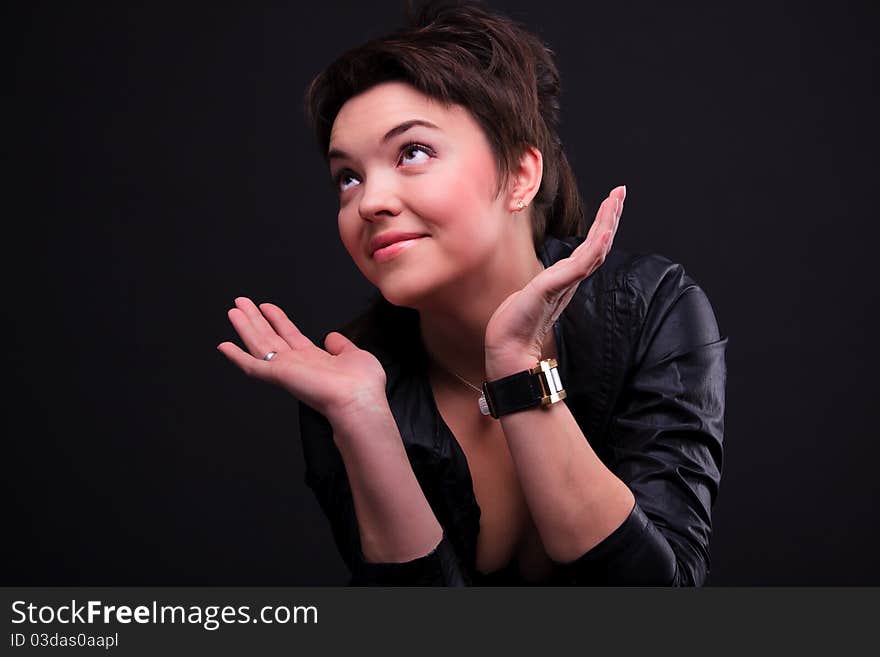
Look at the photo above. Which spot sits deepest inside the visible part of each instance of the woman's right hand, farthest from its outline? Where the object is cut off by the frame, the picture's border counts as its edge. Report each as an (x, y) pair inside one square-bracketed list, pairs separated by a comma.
[(336, 382)]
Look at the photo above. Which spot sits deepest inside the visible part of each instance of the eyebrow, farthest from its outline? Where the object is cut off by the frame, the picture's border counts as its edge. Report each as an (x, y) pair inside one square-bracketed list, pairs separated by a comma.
[(396, 130)]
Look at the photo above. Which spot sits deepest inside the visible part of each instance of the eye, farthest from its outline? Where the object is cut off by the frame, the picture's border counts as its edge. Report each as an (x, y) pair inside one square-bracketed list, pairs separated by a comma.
[(413, 148), (342, 177), (411, 153)]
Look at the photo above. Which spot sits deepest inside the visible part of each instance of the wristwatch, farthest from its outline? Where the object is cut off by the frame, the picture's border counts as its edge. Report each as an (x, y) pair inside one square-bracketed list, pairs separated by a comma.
[(538, 386)]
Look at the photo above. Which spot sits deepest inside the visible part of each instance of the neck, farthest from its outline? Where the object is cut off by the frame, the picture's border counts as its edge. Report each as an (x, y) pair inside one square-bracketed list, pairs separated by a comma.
[(453, 324)]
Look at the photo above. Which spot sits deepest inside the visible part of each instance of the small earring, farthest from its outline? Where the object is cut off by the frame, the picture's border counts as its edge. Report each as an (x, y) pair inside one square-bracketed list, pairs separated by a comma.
[(520, 205)]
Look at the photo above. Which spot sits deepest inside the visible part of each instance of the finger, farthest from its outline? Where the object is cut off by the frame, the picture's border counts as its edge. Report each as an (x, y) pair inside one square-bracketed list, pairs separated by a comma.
[(256, 344), (575, 268), (591, 253), (251, 366), (282, 325), (607, 241), (255, 317), (604, 218), (620, 194), (612, 211), (336, 343), (595, 227), (607, 218), (592, 247), (566, 273), (261, 334)]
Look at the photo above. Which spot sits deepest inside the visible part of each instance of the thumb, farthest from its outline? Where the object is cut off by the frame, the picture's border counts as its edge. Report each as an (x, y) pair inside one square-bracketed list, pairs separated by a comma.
[(336, 343)]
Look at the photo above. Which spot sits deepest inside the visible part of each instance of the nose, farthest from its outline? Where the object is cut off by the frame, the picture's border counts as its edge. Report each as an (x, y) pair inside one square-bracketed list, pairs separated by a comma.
[(379, 198)]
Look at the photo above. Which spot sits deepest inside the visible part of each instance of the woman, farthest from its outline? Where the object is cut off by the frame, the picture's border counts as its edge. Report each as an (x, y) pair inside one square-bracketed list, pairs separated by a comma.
[(457, 202)]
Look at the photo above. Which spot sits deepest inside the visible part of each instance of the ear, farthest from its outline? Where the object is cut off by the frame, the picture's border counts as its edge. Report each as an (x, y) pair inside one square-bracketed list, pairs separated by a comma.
[(526, 179)]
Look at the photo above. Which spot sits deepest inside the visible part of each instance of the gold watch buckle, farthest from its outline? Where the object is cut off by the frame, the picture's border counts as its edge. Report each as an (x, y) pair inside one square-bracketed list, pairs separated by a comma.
[(551, 385)]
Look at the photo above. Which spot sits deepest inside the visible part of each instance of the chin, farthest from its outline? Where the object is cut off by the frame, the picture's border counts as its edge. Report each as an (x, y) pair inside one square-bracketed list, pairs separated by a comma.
[(404, 288), (406, 295)]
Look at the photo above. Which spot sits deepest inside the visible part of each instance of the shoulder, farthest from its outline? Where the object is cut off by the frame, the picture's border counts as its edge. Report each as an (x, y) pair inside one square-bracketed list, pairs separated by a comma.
[(673, 310), (645, 274), (651, 290)]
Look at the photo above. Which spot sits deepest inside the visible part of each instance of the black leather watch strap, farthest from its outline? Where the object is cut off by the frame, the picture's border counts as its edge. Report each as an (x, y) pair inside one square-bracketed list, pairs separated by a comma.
[(513, 393), (522, 390)]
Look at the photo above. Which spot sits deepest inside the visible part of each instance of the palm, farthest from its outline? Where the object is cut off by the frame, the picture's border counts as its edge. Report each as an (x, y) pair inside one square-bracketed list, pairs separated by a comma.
[(518, 326), (520, 320), (325, 380)]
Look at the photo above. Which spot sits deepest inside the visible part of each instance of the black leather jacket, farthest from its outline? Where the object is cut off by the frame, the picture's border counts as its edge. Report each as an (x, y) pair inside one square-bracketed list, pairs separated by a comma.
[(643, 365)]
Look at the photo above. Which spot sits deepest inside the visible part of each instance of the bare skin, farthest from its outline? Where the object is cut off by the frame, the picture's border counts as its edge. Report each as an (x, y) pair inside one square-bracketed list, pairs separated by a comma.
[(486, 306)]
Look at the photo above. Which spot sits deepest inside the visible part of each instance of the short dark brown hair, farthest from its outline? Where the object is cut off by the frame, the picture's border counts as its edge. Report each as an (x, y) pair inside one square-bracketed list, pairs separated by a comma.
[(461, 53)]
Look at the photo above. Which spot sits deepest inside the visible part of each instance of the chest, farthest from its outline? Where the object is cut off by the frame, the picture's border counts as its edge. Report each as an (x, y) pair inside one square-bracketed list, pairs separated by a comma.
[(507, 532)]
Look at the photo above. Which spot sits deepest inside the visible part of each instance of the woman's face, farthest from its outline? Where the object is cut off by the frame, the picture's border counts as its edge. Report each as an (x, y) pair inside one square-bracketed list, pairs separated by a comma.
[(435, 181)]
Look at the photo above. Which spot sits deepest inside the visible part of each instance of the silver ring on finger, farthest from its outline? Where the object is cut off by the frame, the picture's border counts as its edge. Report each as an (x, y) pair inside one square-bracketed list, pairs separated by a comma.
[(270, 355)]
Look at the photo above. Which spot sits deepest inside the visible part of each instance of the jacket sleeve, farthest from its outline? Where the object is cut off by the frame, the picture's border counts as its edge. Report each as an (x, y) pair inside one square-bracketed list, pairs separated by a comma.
[(664, 440), (325, 474)]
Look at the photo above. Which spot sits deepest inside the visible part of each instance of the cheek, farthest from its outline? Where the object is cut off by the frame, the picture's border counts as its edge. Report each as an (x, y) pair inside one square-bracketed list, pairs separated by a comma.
[(456, 203)]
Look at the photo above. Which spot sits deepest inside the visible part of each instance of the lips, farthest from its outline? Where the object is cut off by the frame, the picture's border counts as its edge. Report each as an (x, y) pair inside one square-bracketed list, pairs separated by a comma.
[(385, 240), (392, 250)]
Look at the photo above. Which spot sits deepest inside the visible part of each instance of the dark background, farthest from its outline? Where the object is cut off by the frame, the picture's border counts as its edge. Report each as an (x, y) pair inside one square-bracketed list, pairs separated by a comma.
[(159, 165)]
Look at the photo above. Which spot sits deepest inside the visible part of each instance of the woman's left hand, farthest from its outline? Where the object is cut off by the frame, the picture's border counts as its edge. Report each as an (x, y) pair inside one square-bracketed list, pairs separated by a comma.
[(516, 331)]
